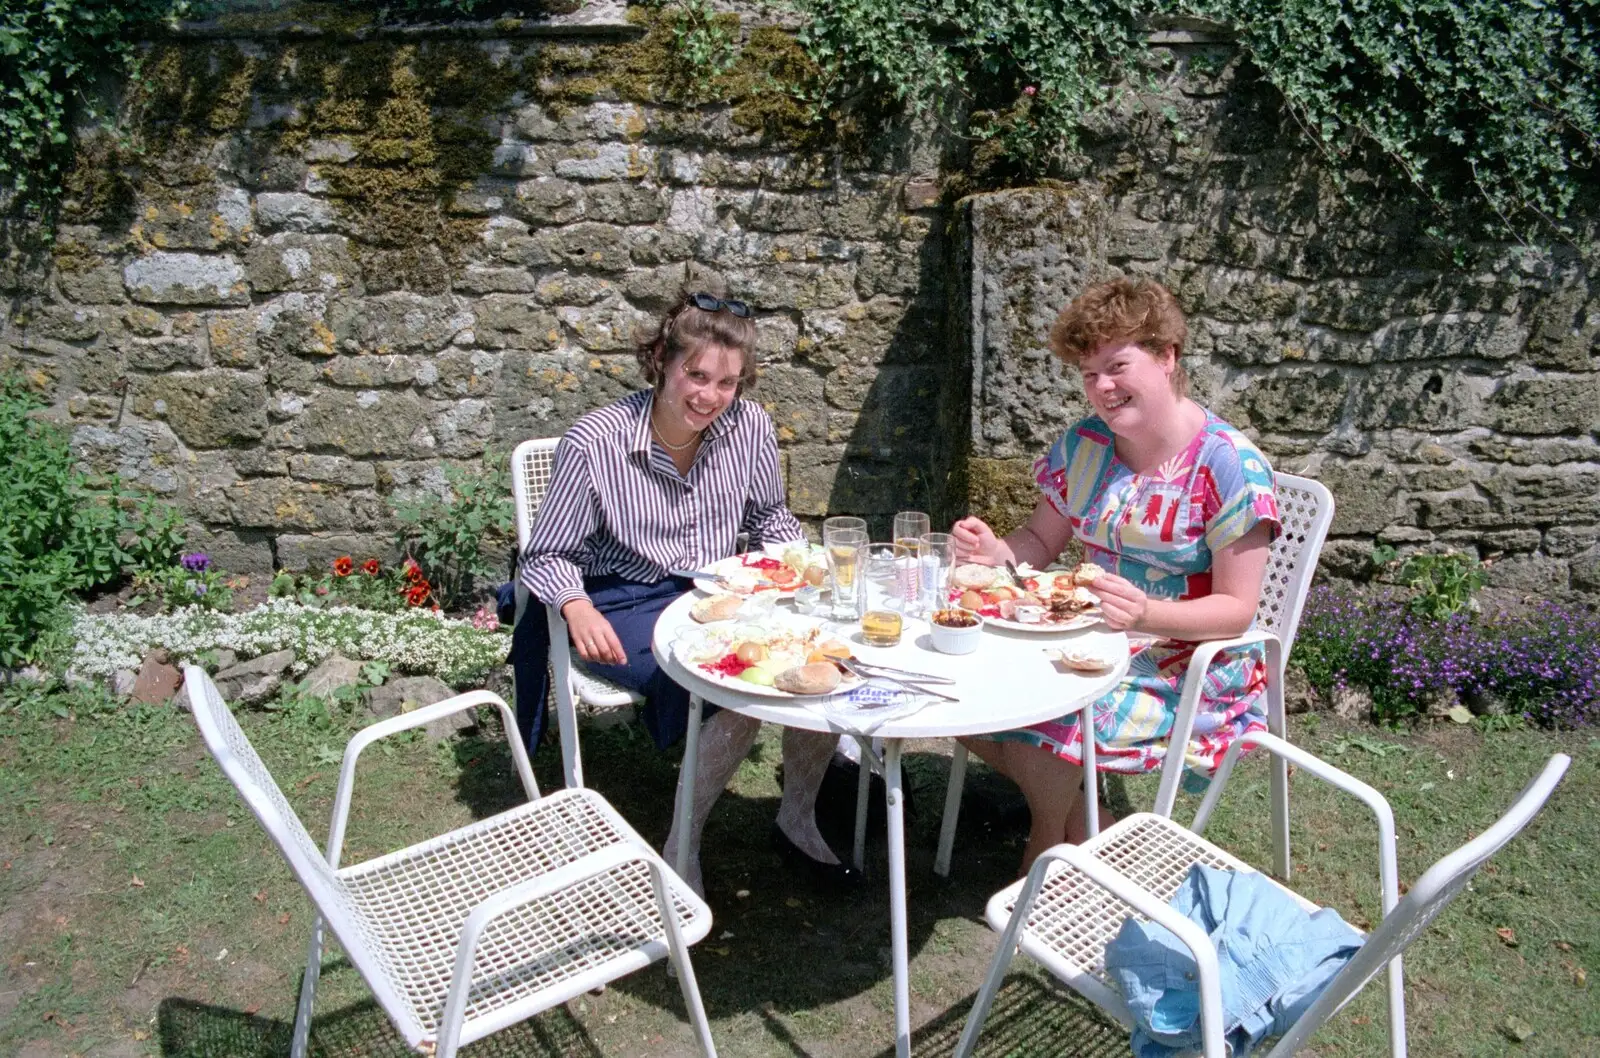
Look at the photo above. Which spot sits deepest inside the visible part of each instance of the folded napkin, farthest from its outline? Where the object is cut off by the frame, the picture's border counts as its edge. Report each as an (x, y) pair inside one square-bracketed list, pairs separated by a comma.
[(864, 708)]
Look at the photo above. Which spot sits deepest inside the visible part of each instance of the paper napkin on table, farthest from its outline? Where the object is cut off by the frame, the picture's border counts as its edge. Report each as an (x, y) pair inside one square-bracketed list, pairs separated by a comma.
[(863, 709)]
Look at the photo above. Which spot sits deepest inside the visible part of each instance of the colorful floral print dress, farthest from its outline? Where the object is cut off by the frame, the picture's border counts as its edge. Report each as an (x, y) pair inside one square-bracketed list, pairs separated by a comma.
[(1159, 531)]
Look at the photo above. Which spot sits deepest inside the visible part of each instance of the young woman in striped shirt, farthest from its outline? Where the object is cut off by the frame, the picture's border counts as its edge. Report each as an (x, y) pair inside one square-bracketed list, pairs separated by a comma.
[(667, 478)]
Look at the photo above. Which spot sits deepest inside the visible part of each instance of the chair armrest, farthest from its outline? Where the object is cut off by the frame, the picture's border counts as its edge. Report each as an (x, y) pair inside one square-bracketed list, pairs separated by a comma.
[(1129, 892), (506, 900), (1388, 871), (406, 722), (1194, 682)]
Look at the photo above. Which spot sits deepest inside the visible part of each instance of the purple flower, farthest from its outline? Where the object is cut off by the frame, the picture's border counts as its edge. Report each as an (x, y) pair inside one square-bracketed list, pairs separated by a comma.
[(195, 562)]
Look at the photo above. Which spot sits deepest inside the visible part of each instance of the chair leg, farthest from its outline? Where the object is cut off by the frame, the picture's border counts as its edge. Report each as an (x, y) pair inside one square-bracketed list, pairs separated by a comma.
[(678, 962), (301, 1041), (952, 810)]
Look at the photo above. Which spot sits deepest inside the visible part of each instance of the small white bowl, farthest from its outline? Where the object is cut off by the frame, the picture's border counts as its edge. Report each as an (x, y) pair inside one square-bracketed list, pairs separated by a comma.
[(949, 639)]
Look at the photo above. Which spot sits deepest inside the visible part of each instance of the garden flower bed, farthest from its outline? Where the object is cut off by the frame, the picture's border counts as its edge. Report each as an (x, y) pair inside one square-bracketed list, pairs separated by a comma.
[(415, 641)]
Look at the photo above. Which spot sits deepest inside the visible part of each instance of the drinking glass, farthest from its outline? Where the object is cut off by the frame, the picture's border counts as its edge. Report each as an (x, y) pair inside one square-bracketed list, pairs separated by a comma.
[(909, 527), (886, 569), (844, 548), (936, 557), (842, 521)]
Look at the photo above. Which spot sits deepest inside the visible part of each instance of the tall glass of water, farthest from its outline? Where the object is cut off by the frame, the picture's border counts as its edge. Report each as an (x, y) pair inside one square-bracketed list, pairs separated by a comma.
[(844, 544), (936, 557)]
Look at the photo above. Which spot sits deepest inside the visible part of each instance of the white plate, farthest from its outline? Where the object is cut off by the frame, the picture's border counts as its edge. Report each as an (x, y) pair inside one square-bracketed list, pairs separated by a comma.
[(734, 565), (1071, 624), (692, 644)]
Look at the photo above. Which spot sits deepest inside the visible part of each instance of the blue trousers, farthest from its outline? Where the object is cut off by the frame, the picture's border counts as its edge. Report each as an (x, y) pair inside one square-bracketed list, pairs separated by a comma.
[(632, 608)]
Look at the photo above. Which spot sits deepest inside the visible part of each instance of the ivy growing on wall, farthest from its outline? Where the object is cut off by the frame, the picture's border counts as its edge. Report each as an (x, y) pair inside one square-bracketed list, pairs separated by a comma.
[(1490, 106)]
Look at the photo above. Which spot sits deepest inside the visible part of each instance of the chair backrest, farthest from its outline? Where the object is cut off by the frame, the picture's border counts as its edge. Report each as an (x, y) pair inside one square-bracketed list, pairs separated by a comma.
[(1422, 904), (243, 767), (1306, 510), (531, 465)]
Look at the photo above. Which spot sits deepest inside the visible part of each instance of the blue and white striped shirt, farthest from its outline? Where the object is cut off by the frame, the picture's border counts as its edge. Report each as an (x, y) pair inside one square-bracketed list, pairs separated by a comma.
[(617, 503)]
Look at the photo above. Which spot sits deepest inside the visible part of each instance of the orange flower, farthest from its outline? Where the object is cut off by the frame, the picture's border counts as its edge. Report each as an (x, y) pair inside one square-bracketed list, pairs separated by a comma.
[(412, 571), (342, 566), (370, 567), (417, 595)]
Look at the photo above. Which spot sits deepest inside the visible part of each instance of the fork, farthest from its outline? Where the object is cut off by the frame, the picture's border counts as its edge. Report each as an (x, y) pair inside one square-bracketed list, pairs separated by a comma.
[(914, 688)]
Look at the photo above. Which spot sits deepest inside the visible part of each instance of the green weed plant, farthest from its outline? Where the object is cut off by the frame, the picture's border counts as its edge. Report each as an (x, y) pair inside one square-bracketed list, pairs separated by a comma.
[(63, 532), (460, 539)]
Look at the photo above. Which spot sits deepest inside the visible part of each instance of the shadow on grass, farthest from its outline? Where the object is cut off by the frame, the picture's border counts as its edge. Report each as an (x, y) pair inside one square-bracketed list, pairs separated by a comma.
[(1029, 1017), (190, 1029)]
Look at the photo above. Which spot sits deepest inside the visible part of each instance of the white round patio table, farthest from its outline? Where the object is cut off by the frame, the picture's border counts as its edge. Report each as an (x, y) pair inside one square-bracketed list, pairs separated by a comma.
[(1008, 682)]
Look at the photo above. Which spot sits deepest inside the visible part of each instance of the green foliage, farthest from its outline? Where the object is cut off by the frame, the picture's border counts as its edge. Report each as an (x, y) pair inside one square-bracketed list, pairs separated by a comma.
[(51, 52), (366, 584), (1477, 102), (61, 531), (704, 43), (1019, 74), (1445, 583), (459, 540)]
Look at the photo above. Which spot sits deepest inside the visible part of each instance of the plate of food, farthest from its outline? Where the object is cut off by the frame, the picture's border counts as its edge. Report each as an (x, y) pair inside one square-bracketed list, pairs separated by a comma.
[(791, 658), (1045, 601), (779, 570)]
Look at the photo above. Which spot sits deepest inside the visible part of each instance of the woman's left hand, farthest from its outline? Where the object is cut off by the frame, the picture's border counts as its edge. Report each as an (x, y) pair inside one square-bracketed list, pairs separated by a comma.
[(1123, 605)]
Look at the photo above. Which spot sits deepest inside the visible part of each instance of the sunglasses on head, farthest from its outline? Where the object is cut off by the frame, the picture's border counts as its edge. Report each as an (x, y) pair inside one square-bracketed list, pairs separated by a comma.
[(711, 303)]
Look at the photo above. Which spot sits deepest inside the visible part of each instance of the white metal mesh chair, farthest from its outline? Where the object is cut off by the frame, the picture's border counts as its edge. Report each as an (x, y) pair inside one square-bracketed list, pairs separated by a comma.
[(1306, 510), (532, 463), (472, 931), (1076, 898)]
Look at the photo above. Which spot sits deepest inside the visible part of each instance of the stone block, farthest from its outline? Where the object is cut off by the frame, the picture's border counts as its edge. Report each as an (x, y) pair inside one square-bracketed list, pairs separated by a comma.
[(462, 428), (97, 284), (515, 321), (237, 552), (822, 481), (283, 504), (623, 204), (1307, 400), (589, 246), (301, 262), (481, 279), (253, 682), (792, 396), (1366, 494), (363, 372), (1564, 541), (156, 681), (461, 373), (1420, 398), (1447, 336), (1464, 508), (406, 694), (1566, 329), (603, 161), (366, 424), (564, 288), (232, 338), (165, 354), (335, 672), (541, 394), (795, 286), (293, 212), (1538, 575), (1548, 404), (67, 323), (1547, 495), (546, 201), (303, 553), (295, 325), (208, 409), (399, 322), (1518, 451), (606, 328), (1234, 297), (1585, 570), (186, 279), (333, 470)]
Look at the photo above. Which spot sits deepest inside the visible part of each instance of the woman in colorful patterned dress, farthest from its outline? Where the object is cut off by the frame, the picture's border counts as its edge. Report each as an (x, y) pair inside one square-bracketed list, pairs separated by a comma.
[(1178, 507)]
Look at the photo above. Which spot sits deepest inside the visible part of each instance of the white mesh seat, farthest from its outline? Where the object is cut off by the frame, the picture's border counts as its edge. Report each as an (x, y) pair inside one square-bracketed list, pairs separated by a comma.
[(532, 463), (1076, 898), (467, 933), (1305, 508)]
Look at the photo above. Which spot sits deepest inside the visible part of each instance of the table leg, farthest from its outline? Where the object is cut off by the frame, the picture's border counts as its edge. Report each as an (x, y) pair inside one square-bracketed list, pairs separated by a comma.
[(1091, 771), (869, 760), (685, 809), (897, 898)]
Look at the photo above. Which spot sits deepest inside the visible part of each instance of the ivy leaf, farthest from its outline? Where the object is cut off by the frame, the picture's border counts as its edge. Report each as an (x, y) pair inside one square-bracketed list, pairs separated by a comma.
[(1460, 714)]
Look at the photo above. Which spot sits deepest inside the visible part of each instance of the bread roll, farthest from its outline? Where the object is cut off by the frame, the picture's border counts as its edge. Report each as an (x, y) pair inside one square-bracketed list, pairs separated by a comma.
[(817, 677), (972, 575), (715, 608), (1086, 573)]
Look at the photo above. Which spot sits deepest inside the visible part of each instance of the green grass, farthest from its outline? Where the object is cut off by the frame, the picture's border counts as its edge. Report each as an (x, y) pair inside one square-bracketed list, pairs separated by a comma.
[(143, 912)]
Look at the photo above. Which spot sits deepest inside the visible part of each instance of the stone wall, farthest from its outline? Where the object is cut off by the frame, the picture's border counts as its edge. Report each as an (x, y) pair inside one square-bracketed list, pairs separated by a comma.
[(342, 257), (346, 257), (1446, 391)]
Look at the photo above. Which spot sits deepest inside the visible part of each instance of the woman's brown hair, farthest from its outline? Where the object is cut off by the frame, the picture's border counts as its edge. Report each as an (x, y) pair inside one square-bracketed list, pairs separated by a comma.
[(1117, 311), (686, 329)]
